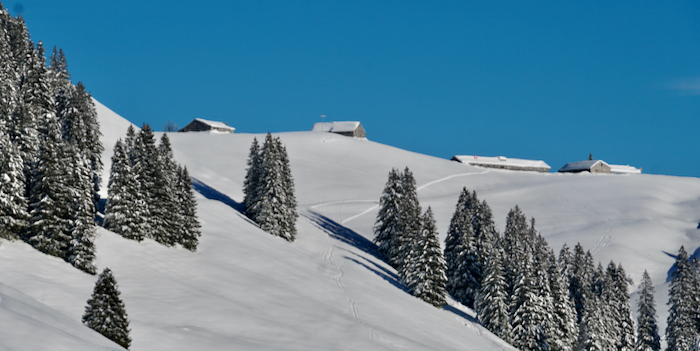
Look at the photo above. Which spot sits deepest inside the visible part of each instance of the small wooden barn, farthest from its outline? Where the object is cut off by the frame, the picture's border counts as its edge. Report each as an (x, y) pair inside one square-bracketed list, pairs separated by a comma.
[(349, 128), (592, 166), (502, 162), (203, 125)]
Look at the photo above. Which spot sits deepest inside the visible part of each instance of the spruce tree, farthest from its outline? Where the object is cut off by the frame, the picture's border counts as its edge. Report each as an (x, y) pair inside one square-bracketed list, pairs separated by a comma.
[(565, 331), (463, 267), (647, 329), (517, 245), (410, 221), (105, 311), (13, 204), (387, 224), (493, 302), (528, 313), (51, 197), (592, 333), (189, 223), (682, 325), (274, 211), (426, 275), (621, 311), (81, 250), (251, 184), (163, 205), (125, 211)]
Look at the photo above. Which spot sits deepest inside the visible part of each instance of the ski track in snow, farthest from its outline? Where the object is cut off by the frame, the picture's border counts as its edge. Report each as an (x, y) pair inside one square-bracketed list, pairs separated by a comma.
[(377, 205), (373, 335), (603, 241)]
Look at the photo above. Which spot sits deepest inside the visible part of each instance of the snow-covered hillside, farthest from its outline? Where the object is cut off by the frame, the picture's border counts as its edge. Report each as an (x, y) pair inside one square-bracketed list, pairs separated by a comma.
[(245, 289)]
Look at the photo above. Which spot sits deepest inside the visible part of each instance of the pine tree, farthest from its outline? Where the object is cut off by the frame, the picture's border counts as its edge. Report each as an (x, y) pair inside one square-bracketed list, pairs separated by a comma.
[(147, 169), (528, 312), (189, 224), (251, 183), (580, 278), (51, 197), (81, 250), (682, 325), (105, 312), (592, 334), (647, 329), (565, 331), (463, 271), (13, 204), (387, 224), (125, 211), (274, 210), (492, 301), (619, 304), (517, 245), (410, 221), (426, 275), (163, 205)]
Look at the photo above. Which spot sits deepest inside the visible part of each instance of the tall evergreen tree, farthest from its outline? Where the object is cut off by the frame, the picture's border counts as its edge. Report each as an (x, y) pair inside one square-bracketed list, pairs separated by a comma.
[(565, 331), (682, 326), (426, 274), (464, 273), (410, 220), (251, 184), (276, 191), (386, 229), (592, 334), (189, 223), (13, 204), (493, 302), (647, 329), (620, 309), (528, 312), (125, 211), (105, 311), (517, 245), (81, 250), (51, 197)]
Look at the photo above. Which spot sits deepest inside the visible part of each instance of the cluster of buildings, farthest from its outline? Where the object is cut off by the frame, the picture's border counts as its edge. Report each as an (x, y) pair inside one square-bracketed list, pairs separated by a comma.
[(516, 164), (355, 129)]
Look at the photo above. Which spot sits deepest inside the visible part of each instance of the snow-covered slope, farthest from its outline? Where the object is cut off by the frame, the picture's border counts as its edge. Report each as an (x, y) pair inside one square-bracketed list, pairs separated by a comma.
[(27, 324), (244, 289)]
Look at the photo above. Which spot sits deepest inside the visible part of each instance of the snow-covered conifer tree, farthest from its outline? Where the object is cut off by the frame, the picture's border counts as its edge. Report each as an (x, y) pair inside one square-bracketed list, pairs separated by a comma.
[(189, 223), (251, 183), (125, 211), (81, 250), (620, 309), (463, 271), (276, 191), (493, 302), (410, 222), (51, 197), (517, 245), (682, 325), (13, 204), (425, 276), (528, 312), (647, 329), (105, 311), (565, 330), (387, 224)]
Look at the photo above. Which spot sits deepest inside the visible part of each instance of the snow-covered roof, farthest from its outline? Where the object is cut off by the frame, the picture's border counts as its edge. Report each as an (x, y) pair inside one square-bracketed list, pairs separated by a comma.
[(215, 124), (624, 169), (336, 127), (581, 165), (500, 161)]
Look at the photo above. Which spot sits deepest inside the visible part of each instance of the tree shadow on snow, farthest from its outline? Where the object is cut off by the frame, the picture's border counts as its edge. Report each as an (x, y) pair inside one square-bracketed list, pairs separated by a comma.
[(213, 194), (384, 274), (691, 256), (344, 234)]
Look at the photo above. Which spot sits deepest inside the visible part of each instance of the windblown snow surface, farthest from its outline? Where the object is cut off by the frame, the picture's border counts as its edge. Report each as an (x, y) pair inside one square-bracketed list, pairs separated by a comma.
[(245, 289)]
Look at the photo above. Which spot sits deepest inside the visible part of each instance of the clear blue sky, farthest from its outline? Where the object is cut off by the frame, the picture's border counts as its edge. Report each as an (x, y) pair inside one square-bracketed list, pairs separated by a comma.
[(550, 80)]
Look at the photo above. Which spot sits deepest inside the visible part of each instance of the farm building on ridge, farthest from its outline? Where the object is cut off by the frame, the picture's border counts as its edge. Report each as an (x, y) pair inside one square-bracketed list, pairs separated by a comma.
[(349, 128), (203, 125), (502, 162), (593, 166)]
